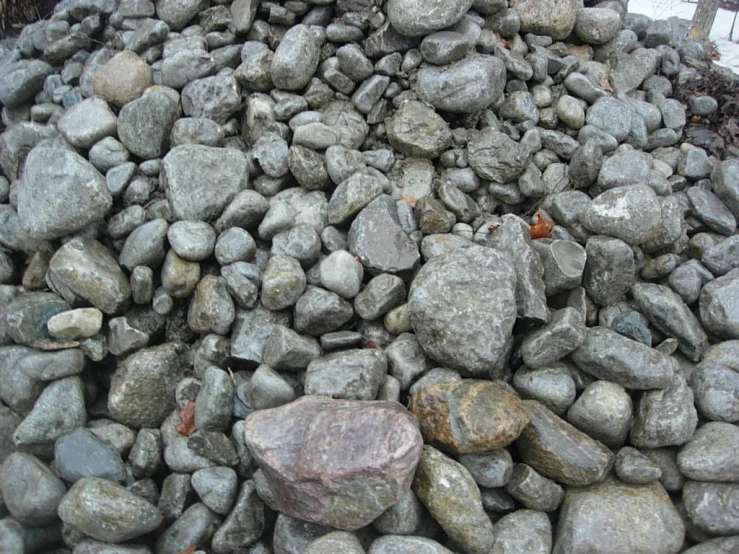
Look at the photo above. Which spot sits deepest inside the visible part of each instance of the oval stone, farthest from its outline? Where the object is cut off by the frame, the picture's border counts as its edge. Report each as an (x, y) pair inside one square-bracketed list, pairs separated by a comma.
[(335, 462), (469, 416)]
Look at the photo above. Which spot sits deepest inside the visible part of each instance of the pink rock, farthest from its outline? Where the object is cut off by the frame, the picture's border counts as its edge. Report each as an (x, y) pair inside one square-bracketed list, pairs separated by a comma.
[(335, 462)]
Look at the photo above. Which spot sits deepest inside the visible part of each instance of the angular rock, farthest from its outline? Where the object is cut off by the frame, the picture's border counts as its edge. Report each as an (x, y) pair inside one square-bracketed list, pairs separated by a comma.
[(349, 374), (716, 387), (709, 454), (496, 157), (81, 454), (144, 124), (630, 213), (418, 131), (244, 525), (31, 491), (665, 417), (564, 333), (719, 306), (442, 294), (378, 440), (87, 122), (712, 506), (468, 416)]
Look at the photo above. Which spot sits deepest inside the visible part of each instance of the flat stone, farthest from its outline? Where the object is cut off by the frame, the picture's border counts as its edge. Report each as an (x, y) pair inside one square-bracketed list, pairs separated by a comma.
[(87, 122), (445, 289), (349, 374), (378, 440), (81, 454), (468, 416), (630, 213)]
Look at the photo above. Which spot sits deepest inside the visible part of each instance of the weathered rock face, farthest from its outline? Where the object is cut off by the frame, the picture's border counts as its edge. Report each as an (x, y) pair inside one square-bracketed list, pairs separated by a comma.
[(468, 416), (546, 17), (319, 456), (413, 19), (462, 308)]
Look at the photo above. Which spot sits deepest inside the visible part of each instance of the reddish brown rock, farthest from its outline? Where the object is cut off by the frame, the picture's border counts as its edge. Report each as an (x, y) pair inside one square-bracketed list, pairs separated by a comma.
[(469, 416), (335, 462)]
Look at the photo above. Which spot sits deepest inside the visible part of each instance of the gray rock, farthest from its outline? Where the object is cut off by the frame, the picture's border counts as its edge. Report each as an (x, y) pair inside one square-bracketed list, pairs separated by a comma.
[(292, 536), (523, 531), (604, 410), (667, 312), (195, 526), (412, 20), (664, 417), (283, 282), (215, 402), (186, 66), (552, 385), (81, 454), (336, 541), (341, 273), (76, 324), (606, 354), (107, 512), (343, 118), (144, 125), (418, 131), (244, 525), (546, 17), (146, 245), (379, 439), (319, 311), (710, 506), (496, 157), (708, 455), (378, 240), (55, 178), (398, 544), (715, 387), (349, 374), (296, 59), (625, 167), (217, 488), (186, 169), (721, 257), (612, 116), (725, 184), (564, 333), (216, 98), (444, 47), (489, 469), (630, 213), (564, 264), (211, 310), (597, 25), (707, 207), (443, 287), (639, 517), (192, 240), (146, 453), (721, 545), (87, 122), (31, 491), (308, 167), (634, 468), (609, 269), (719, 311), (379, 296), (142, 390), (533, 490), (21, 81), (475, 82), (271, 153), (453, 499), (559, 451), (196, 130)]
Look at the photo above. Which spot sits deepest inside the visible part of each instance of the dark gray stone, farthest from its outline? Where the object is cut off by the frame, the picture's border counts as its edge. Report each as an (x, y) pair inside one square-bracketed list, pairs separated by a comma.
[(81, 454), (711, 506), (715, 387), (719, 306), (31, 491), (496, 157), (664, 417), (144, 125), (533, 490)]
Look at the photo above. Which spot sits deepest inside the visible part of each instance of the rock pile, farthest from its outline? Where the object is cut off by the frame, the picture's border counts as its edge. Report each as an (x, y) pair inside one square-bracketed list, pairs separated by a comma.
[(237, 238)]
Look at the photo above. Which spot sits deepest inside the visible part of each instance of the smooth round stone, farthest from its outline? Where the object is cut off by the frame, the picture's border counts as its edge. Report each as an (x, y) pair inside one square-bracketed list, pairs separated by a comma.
[(216, 487), (570, 111), (597, 25), (719, 306), (81, 454), (192, 240), (123, 79), (31, 491), (412, 19), (337, 541), (75, 324), (397, 544), (491, 469), (469, 416), (296, 59), (633, 467), (709, 456), (179, 277), (212, 309), (341, 273), (283, 282), (234, 245), (553, 386), (523, 531), (716, 388), (712, 506), (107, 512)]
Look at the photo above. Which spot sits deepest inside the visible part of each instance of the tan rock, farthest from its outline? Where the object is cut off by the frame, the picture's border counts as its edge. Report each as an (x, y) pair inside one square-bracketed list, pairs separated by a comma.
[(123, 79)]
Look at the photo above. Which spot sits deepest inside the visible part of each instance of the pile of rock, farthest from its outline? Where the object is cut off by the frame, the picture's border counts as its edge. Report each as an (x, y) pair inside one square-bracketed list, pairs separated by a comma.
[(238, 237)]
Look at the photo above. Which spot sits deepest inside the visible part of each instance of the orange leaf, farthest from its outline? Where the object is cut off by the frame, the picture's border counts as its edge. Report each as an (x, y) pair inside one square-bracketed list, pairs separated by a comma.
[(542, 227), (187, 420), (190, 550), (409, 199), (507, 44)]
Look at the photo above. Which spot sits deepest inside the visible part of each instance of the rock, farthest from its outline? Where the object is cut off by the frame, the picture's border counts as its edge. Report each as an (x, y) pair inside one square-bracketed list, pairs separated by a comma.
[(81, 323), (31, 491), (26, 317), (144, 124), (412, 19), (636, 517), (211, 310), (715, 387), (635, 468), (378, 240), (719, 312), (143, 386), (630, 213), (243, 13), (296, 59), (607, 355), (381, 295), (187, 168), (61, 193), (561, 452), (725, 184), (283, 282), (244, 525), (546, 17), (287, 350), (349, 374), (490, 469), (341, 273), (604, 411), (523, 531), (308, 167), (21, 81), (380, 440), (419, 131), (81, 454), (452, 498), (85, 268), (468, 416), (609, 270), (216, 98), (469, 85), (123, 78), (534, 491), (710, 506), (195, 526), (178, 13), (564, 333), (397, 544), (611, 116), (107, 512), (216, 487), (439, 296), (336, 541), (444, 47), (215, 402), (552, 385), (707, 207), (87, 122), (597, 25), (707, 457), (665, 417), (496, 157)]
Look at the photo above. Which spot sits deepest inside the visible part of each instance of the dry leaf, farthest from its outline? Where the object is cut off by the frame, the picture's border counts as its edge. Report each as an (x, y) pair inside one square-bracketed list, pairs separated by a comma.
[(49, 345), (371, 344), (605, 83), (190, 550), (412, 201), (542, 227), (187, 420)]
